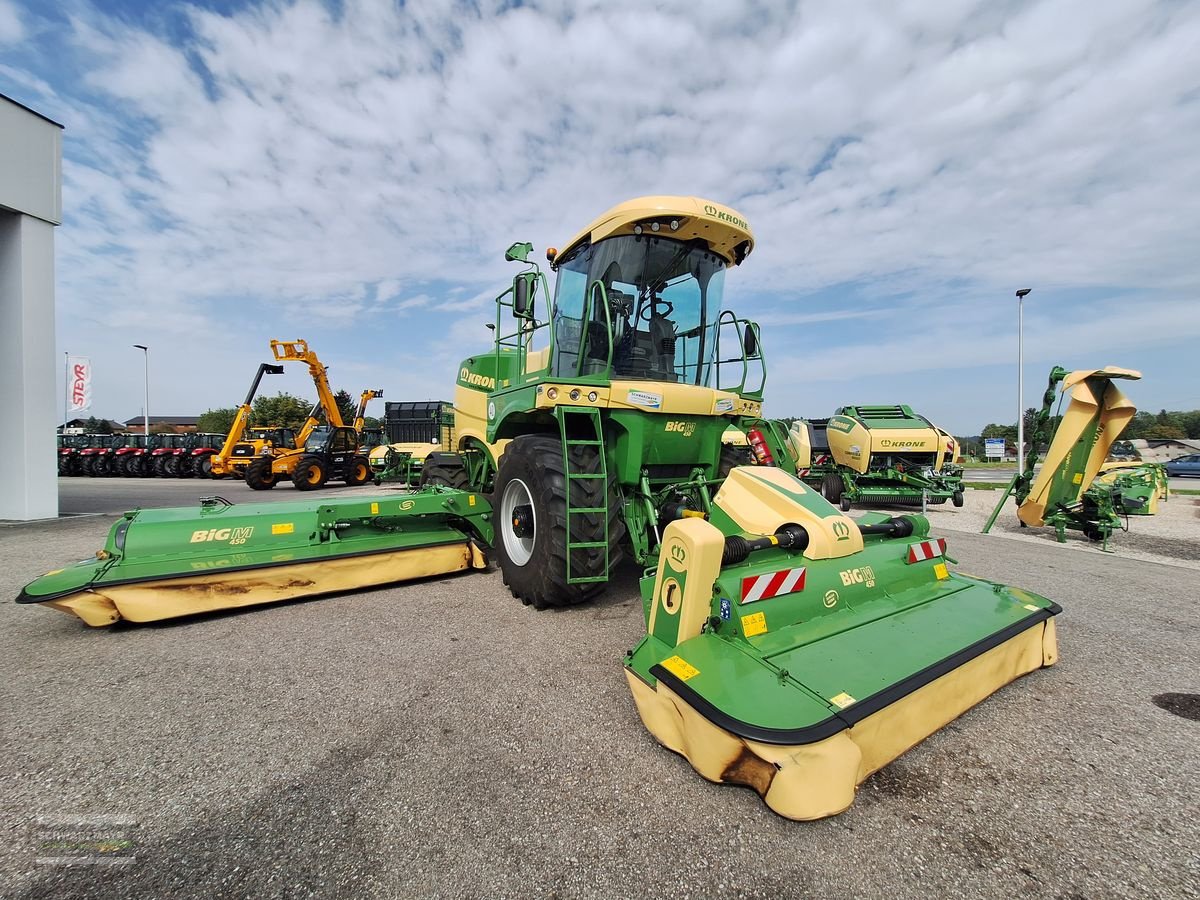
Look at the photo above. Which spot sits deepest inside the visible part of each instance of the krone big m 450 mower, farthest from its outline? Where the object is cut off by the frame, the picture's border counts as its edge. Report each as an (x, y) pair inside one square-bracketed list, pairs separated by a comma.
[(788, 647)]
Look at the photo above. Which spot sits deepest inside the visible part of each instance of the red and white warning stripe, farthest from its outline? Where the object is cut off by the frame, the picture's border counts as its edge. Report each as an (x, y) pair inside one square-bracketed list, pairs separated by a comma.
[(926, 550), (772, 584)]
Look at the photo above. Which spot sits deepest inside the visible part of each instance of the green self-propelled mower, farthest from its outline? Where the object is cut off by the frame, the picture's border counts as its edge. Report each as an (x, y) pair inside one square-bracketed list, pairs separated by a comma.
[(788, 647)]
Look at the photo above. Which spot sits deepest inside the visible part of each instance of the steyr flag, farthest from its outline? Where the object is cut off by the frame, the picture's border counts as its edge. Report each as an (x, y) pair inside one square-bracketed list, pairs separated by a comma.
[(79, 384)]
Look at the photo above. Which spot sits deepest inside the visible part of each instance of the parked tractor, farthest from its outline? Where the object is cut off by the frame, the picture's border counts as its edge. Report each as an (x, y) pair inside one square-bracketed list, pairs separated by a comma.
[(69, 446), (98, 458), (133, 459), (165, 459)]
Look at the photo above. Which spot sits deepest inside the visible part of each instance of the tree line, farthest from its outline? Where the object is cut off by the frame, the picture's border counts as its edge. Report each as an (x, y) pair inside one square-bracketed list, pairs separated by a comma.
[(283, 410), (1162, 425)]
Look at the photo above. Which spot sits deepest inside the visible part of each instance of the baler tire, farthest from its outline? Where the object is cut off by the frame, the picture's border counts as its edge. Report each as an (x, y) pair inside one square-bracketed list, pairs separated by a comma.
[(832, 487), (844, 503), (309, 474), (957, 498), (259, 476), (536, 461), (358, 471), (452, 474)]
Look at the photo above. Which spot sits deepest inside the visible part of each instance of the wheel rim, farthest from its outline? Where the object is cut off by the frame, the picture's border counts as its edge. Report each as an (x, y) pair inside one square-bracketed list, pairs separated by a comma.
[(513, 504)]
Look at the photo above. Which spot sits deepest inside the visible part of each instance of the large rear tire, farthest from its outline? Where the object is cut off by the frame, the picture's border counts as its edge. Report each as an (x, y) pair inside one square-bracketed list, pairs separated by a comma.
[(259, 476), (135, 466), (358, 471), (64, 465), (203, 465), (732, 457), (446, 469), (309, 474), (102, 467), (530, 519), (170, 467)]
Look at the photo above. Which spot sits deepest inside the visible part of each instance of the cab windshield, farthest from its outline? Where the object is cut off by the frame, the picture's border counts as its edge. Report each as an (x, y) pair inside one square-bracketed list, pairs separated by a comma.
[(659, 298)]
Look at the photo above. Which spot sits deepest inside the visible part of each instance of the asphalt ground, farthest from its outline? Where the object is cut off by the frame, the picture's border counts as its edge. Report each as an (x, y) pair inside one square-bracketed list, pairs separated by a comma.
[(439, 739)]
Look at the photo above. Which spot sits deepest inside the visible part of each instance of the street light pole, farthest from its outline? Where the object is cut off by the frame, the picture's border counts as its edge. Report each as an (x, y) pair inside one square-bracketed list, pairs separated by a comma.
[(146, 408), (1021, 379)]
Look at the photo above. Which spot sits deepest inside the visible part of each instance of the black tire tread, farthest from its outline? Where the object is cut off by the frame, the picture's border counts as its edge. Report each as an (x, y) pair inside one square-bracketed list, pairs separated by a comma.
[(542, 582)]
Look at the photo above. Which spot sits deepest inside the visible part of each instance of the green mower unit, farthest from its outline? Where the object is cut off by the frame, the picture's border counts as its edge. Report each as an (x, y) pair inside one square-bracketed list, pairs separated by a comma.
[(1141, 485), (794, 650), (1064, 493), (165, 563)]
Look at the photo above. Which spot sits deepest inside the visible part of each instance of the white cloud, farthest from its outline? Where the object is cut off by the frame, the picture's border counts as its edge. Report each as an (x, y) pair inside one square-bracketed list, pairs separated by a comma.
[(11, 27), (914, 157)]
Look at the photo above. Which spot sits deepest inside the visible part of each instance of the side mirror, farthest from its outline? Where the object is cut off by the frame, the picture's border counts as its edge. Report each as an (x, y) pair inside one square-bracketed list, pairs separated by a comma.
[(518, 252), (750, 342), (522, 297)]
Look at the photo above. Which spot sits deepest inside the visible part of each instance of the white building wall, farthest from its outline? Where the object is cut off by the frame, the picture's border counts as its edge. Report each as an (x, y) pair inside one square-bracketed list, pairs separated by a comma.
[(30, 207)]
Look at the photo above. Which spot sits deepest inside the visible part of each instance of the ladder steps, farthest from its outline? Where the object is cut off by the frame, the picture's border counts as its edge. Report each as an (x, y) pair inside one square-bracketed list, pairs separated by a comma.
[(584, 421)]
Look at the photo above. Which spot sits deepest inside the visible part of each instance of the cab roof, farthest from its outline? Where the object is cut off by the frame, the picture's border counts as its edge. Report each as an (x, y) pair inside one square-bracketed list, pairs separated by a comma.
[(682, 218)]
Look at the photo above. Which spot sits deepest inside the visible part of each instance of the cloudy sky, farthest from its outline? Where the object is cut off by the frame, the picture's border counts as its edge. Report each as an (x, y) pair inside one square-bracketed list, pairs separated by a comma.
[(351, 173)]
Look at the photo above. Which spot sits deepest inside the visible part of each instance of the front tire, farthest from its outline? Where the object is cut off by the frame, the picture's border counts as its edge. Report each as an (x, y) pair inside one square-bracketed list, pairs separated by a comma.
[(358, 471), (530, 519), (309, 474), (259, 476)]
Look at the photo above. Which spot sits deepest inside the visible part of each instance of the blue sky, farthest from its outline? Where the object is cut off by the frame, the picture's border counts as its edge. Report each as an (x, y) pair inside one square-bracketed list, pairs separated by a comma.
[(352, 172)]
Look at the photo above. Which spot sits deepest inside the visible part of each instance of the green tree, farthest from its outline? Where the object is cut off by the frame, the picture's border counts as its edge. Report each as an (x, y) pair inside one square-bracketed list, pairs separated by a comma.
[(282, 409), (162, 428), (346, 406), (991, 430), (97, 426), (216, 421), (1190, 422), (1169, 432)]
